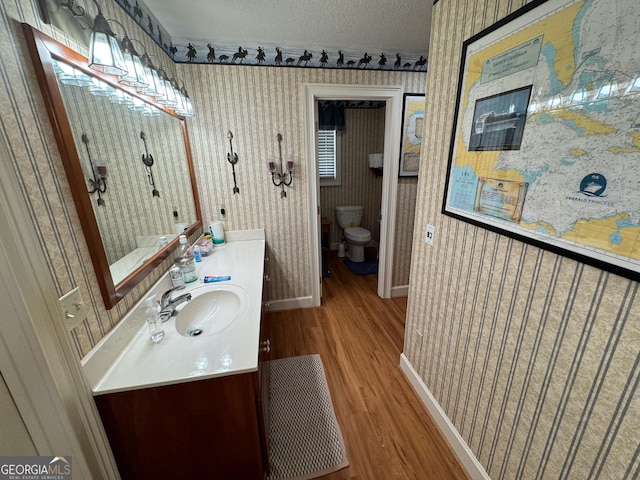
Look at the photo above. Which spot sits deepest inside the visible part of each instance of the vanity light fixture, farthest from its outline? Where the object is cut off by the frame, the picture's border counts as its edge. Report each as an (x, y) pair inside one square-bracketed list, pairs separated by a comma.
[(108, 55), (151, 74), (104, 51), (188, 104), (119, 97), (166, 94), (98, 184), (137, 105), (185, 107), (70, 75), (232, 158), (147, 159), (135, 75), (100, 88), (151, 111), (634, 86), (179, 98), (607, 91), (284, 177)]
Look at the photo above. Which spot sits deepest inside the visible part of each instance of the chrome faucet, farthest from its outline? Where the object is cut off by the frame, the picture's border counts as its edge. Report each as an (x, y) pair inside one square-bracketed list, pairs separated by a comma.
[(168, 304)]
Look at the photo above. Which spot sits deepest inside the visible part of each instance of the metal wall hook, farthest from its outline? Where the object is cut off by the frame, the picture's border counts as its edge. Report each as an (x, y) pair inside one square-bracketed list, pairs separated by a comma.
[(147, 159), (98, 183), (232, 158)]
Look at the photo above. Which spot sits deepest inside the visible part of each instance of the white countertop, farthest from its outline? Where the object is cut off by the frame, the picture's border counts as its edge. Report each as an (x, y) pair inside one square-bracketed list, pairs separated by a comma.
[(127, 359)]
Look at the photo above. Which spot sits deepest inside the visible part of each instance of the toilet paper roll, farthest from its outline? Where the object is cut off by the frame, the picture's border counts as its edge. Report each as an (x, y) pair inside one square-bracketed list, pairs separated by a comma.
[(217, 233)]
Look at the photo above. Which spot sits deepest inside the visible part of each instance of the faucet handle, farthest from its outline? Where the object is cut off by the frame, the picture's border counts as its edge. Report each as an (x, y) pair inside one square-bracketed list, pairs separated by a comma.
[(165, 295)]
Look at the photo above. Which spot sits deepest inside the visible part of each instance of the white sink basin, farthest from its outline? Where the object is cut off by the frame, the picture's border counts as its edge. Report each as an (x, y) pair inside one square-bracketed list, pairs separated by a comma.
[(212, 308)]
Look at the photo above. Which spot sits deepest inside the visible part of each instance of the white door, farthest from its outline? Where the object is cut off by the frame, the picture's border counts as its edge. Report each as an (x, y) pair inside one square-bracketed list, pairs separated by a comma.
[(14, 436)]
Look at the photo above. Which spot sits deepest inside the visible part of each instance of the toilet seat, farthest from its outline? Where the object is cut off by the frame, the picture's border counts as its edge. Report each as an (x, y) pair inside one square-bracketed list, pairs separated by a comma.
[(357, 234)]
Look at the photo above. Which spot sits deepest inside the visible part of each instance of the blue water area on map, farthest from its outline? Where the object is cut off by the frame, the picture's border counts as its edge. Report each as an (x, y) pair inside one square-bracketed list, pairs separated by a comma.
[(626, 223), (567, 162), (530, 176), (544, 119), (541, 229), (573, 126), (463, 188), (577, 24), (549, 52), (615, 238), (598, 107)]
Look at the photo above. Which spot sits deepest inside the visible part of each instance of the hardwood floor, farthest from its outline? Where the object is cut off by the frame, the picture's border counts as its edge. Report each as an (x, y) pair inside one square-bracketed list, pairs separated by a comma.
[(359, 336)]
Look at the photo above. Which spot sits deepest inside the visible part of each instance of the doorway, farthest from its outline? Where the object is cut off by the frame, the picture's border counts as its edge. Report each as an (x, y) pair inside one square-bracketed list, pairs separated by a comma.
[(349, 148), (392, 95)]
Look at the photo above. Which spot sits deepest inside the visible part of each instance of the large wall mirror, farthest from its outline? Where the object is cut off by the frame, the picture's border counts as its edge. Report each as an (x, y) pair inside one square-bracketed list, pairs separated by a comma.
[(128, 163)]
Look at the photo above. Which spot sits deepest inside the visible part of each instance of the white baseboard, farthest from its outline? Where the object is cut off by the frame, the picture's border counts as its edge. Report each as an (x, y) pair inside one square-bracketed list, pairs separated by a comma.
[(400, 291), (459, 446), (290, 304)]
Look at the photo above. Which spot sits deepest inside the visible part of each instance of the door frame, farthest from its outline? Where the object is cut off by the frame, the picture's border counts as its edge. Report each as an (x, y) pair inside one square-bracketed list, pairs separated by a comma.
[(42, 372), (392, 95)]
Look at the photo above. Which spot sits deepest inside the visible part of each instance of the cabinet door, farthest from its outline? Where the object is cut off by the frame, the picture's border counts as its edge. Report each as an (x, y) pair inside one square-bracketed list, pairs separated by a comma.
[(264, 356), (200, 429)]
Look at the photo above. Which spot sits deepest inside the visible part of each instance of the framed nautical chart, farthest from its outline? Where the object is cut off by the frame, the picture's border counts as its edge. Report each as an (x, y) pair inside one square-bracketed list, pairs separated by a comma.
[(412, 124), (545, 144)]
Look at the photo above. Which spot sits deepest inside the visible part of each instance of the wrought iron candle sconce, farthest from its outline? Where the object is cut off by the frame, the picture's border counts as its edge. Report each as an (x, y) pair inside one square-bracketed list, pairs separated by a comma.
[(147, 159), (232, 158), (284, 177), (98, 183)]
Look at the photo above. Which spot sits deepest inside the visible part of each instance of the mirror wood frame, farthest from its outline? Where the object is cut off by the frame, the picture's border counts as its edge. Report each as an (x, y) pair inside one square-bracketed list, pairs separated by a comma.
[(43, 49)]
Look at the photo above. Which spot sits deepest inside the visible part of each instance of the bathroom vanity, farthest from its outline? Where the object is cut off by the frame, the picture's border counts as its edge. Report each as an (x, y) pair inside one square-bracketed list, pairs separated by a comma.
[(191, 406)]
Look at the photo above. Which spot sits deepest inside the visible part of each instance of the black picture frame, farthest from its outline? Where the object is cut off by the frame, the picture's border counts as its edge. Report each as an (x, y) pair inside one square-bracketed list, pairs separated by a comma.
[(413, 110), (584, 205)]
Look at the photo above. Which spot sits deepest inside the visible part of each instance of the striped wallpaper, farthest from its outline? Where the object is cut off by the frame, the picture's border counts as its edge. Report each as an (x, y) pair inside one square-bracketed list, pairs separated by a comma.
[(364, 134), (533, 357), (255, 103), (114, 141), (26, 131)]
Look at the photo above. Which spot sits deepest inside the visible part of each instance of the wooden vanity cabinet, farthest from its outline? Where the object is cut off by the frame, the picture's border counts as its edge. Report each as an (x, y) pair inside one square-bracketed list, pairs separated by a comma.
[(264, 355), (206, 429)]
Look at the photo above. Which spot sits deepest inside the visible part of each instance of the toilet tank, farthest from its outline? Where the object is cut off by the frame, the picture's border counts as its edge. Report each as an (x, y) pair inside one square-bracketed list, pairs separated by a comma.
[(349, 215)]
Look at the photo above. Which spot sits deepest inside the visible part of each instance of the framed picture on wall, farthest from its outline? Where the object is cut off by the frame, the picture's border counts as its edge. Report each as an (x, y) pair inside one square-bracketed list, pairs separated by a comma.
[(411, 138), (546, 135)]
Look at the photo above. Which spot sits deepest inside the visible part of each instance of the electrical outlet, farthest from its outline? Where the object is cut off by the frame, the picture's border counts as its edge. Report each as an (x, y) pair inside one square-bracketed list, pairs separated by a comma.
[(431, 231), (73, 308)]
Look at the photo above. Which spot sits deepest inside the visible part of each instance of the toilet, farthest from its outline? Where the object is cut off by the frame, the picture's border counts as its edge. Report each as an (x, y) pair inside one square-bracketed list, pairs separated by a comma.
[(349, 218)]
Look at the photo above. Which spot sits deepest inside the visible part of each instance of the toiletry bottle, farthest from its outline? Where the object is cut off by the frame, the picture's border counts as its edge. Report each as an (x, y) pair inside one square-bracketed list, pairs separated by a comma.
[(188, 267), (176, 276), (184, 246), (206, 245), (196, 253), (186, 262), (154, 322), (217, 232)]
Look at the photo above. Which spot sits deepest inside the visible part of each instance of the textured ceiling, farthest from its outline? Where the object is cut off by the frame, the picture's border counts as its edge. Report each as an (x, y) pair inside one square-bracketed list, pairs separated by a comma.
[(354, 27)]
